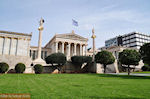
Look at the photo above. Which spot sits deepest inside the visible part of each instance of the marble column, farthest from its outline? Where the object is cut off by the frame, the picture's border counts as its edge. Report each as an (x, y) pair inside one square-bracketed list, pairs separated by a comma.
[(62, 50), (75, 49), (85, 50), (68, 53), (93, 37), (3, 45), (40, 38), (56, 47), (81, 50)]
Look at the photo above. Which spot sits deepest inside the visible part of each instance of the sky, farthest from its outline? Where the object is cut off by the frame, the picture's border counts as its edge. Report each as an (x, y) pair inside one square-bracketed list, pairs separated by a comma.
[(109, 18)]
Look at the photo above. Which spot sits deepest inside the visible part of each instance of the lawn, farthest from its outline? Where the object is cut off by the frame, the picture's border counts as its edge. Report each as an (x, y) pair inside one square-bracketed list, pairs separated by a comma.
[(76, 86)]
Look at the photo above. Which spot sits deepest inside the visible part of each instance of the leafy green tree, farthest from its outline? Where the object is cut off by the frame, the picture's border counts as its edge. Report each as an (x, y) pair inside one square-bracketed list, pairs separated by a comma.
[(79, 60), (3, 67), (105, 58), (59, 59), (129, 57), (145, 53), (38, 68), (20, 68), (145, 68)]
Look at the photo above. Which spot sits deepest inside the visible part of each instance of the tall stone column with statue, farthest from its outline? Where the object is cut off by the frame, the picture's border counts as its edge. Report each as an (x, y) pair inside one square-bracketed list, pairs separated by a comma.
[(97, 68), (39, 60), (93, 37)]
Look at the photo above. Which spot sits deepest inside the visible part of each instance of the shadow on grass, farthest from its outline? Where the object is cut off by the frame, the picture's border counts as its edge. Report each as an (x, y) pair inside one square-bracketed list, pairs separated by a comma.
[(98, 97), (121, 76)]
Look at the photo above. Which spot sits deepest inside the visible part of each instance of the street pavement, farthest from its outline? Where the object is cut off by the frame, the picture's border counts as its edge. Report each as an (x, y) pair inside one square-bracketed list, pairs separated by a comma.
[(134, 74)]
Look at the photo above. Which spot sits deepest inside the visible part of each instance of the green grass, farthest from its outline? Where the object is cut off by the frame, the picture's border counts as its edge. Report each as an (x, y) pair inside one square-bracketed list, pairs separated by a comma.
[(76, 86)]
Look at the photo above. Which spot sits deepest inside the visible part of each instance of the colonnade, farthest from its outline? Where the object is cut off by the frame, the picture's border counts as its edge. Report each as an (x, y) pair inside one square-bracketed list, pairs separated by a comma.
[(71, 49)]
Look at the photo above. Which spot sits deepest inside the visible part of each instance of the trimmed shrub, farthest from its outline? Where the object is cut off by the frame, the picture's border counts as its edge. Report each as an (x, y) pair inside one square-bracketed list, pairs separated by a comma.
[(20, 68), (59, 59), (79, 60), (145, 68), (3, 67), (38, 68), (56, 58)]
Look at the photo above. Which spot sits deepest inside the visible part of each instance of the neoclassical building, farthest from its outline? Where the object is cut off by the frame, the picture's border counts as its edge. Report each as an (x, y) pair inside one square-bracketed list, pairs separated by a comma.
[(69, 43), (14, 48)]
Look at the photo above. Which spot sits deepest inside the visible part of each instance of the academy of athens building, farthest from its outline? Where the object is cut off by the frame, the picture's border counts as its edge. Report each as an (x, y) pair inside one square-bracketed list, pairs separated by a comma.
[(15, 48), (70, 44)]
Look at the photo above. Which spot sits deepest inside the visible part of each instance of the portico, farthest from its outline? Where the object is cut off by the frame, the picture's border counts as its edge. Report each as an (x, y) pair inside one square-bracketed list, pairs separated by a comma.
[(70, 44)]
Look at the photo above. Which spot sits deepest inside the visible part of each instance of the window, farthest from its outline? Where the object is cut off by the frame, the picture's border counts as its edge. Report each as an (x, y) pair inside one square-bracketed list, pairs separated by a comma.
[(30, 53), (42, 55), (45, 54), (33, 55)]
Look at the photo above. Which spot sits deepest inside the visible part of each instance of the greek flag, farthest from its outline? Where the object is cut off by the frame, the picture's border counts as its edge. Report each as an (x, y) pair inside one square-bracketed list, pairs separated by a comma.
[(74, 22)]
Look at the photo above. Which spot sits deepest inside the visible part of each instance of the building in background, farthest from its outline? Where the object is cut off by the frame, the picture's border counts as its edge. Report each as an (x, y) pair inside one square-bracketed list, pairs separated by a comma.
[(14, 48), (116, 41), (34, 52), (70, 44), (133, 40)]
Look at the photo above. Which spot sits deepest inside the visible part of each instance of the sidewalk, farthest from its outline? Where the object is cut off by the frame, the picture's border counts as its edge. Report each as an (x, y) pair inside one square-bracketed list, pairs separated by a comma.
[(134, 74)]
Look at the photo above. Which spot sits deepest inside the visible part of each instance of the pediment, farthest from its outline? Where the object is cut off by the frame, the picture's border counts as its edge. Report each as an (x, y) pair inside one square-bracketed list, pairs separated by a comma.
[(71, 36)]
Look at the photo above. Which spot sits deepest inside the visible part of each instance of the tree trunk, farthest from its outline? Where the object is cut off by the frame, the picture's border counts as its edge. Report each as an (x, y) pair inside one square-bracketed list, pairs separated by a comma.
[(128, 70), (104, 69), (59, 69)]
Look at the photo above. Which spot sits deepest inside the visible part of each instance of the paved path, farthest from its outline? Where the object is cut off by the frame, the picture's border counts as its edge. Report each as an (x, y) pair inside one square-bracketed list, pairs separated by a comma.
[(135, 74)]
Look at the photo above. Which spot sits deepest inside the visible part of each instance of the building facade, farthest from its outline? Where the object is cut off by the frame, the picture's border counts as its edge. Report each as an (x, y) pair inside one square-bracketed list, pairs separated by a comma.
[(115, 50), (133, 40), (14, 48), (70, 44), (34, 52)]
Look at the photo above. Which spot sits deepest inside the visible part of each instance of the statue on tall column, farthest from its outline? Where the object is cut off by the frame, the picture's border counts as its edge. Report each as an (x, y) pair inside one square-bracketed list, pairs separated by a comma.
[(93, 37), (39, 60), (41, 24)]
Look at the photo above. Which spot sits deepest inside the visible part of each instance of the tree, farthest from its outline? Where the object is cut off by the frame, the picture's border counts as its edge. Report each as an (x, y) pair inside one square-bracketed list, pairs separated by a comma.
[(129, 57), (79, 60), (38, 68), (105, 58), (145, 68), (3, 67), (56, 58), (20, 68), (145, 53)]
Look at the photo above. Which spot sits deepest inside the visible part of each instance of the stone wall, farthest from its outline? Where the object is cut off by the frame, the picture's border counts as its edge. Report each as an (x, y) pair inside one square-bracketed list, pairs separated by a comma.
[(13, 60)]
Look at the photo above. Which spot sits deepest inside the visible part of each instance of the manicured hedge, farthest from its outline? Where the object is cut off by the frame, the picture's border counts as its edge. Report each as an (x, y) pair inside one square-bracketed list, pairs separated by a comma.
[(20, 68), (56, 58), (145, 68), (79, 60), (38, 68), (3, 67)]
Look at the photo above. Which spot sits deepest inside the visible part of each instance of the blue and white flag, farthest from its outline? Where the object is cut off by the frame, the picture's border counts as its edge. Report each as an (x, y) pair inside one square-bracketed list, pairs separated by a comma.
[(74, 22)]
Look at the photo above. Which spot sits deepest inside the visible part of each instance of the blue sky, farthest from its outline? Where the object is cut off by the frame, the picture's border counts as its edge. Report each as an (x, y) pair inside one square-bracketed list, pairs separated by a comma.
[(109, 17)]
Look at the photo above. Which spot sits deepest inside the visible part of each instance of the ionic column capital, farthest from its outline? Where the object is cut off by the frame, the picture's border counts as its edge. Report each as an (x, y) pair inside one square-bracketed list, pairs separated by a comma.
[(69, 42)]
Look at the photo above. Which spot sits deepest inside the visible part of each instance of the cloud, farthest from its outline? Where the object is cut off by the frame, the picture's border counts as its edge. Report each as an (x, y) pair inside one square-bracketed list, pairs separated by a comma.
[(98, 19)]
